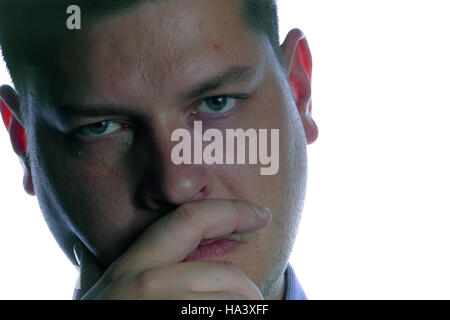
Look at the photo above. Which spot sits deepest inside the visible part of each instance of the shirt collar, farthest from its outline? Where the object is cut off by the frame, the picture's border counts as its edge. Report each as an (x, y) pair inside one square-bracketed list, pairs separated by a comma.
[(293, 289)]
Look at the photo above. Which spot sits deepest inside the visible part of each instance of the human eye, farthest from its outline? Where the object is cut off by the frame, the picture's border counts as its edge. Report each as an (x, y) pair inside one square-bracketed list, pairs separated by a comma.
[(217, 104), (102, 128)]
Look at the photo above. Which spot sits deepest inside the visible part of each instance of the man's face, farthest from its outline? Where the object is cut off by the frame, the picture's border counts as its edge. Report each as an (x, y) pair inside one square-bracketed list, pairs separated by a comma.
[(106, 183)]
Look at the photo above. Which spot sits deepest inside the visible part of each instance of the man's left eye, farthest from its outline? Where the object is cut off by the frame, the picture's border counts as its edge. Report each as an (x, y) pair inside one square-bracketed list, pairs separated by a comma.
[(101, 128), (219, 104)]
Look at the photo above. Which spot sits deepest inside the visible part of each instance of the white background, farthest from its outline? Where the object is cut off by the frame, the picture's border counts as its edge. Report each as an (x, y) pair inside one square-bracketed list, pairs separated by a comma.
[(376, 220)]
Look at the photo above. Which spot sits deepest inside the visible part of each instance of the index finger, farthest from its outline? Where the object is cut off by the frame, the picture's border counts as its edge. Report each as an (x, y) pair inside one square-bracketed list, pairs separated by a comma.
[(173, 236)]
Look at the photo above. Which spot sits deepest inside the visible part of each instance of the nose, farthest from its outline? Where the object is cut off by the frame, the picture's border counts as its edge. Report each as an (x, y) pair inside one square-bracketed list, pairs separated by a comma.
[(170, 185), (184, 183)]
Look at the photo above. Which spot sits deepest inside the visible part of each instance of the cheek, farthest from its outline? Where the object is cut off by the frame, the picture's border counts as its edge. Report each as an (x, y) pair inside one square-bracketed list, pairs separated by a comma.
[(272, 108), (104, 185), (109, 151), (284, 191), (88, 189), (94, 173), (99, 170)]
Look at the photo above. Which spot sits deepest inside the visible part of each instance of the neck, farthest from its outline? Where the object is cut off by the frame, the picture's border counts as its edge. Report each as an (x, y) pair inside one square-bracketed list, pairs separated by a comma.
[(280, 287)]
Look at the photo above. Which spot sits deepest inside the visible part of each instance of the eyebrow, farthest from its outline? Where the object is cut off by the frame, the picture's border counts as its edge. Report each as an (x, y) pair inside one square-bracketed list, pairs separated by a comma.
[(67, 111), (232, 76)]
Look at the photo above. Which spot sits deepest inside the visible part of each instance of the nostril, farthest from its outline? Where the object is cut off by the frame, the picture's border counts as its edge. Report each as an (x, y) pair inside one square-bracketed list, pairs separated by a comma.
[(203, 193)]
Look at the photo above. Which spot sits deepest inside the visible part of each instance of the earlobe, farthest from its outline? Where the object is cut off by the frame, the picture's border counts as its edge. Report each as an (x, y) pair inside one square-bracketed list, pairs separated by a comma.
[(298, 61), (8, 103), (10, 109), (18, 137), (19, 143), (6, 114), (27, 179)]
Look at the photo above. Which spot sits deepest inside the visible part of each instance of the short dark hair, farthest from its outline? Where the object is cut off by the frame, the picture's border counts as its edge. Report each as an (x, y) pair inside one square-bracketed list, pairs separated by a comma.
[(29, 29)]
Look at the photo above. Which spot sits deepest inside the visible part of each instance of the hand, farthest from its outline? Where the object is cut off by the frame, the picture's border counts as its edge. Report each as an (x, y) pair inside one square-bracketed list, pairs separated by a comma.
[(152, 267)]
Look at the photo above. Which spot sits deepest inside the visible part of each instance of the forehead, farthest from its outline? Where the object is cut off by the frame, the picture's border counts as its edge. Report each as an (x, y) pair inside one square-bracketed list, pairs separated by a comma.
[(160, 46)]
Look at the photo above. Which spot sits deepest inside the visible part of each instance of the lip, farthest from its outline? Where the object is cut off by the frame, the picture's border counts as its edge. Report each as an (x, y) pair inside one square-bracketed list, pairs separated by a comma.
[(213, 248)]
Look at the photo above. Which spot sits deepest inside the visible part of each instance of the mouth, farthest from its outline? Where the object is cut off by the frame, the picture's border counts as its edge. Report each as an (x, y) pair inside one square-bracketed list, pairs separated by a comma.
[(212, 249)]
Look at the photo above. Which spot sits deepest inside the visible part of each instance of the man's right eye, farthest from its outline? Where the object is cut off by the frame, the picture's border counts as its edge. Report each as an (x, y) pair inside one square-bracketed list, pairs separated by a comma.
[(101, 128)]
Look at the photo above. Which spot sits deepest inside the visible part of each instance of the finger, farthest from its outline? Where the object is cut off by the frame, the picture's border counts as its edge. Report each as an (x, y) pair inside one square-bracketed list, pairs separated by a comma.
[(89, 270), (199, 276), (213, 295), (172, 237)]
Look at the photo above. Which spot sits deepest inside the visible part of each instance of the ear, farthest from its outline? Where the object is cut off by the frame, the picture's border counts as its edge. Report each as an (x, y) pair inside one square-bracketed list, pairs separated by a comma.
[(298, 61), (10, 109)]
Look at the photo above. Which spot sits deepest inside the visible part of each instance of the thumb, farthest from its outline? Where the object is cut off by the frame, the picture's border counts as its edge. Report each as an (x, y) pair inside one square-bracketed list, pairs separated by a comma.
[(89, 270)]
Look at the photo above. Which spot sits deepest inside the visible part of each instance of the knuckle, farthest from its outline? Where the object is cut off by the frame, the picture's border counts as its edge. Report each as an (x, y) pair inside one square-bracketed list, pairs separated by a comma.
[(146, 283), (237, 296), (115, 272), (236, 205), (239, 283), (232, 268), (178, 296), (185, 212)]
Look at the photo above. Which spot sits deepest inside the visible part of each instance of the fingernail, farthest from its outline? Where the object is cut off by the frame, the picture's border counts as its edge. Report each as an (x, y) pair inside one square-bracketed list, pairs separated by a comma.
[(262, 212)]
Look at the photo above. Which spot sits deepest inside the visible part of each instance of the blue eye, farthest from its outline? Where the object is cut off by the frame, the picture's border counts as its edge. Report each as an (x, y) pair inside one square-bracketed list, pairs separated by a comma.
[(219, 104), (101, 128)]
